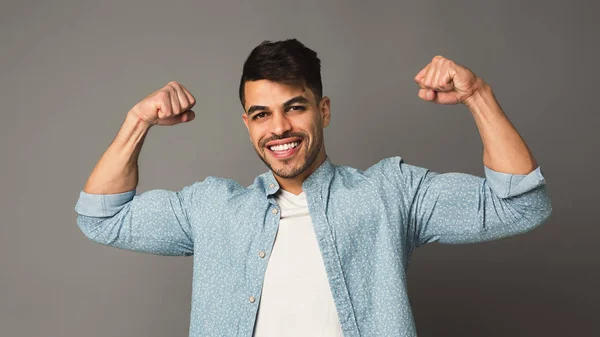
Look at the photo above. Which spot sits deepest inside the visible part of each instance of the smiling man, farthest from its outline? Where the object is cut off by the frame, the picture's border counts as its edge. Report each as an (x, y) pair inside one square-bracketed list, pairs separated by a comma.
[(310, 248), (287, 133)]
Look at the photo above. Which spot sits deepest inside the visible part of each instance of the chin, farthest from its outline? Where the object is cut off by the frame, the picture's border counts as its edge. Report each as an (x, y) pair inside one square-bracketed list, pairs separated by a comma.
[(291, 170), (287, 168)]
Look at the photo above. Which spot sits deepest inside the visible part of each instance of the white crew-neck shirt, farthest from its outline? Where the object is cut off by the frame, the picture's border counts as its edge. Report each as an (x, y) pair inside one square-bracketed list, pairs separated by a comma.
[(296, 299)]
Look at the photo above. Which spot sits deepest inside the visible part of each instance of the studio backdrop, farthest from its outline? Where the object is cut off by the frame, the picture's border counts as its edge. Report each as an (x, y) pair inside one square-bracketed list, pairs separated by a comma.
[(71, 70)]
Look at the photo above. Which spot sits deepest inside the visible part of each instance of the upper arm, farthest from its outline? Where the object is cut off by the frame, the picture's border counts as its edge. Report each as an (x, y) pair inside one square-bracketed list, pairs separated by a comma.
[(153, 222), (463, 208)]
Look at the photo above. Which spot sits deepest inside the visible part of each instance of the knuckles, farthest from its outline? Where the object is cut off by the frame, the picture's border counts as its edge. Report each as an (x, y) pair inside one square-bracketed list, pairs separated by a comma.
[(438, 58), (166, 100), (162, 95)]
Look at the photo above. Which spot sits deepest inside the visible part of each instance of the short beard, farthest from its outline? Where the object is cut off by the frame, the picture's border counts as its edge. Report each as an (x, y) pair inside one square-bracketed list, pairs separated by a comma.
[(309, 158)]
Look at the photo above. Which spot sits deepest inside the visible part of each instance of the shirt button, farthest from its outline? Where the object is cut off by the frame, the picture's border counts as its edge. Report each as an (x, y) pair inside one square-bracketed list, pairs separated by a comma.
[(274, 211), (252, 299), (261, 254), (272, 185)]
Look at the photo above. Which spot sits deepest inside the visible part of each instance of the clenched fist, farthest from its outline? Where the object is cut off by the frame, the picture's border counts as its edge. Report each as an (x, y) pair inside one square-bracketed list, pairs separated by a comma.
[(444, 82), (169, 105)]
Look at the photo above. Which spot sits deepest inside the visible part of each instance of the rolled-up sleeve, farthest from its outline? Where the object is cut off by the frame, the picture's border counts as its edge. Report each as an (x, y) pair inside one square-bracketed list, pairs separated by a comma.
[(457, 208), (507, 185), (102, 205), (153, 222)]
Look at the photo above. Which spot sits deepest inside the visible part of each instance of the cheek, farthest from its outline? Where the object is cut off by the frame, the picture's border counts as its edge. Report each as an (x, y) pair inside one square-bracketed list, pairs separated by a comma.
[(309, 125), (255, 136)]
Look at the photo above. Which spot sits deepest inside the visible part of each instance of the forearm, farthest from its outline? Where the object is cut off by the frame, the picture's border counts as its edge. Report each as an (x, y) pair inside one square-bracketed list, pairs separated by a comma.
[(117, 169), (504, 150)]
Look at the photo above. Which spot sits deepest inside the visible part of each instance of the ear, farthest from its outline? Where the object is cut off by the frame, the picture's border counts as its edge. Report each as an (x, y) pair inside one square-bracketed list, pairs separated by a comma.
[(245, 119), (324, 107)]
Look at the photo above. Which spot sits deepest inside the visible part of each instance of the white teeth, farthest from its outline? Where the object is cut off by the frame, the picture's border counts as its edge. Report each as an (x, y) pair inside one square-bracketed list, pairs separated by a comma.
[(283, 147)]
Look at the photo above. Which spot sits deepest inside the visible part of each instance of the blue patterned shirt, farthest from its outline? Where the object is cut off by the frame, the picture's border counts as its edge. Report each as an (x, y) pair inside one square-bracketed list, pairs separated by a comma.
[(367, 224)]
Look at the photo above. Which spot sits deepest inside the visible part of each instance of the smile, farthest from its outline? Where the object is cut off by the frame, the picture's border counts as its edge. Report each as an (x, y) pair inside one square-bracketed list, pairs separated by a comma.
[(284, 147), (283, 151)]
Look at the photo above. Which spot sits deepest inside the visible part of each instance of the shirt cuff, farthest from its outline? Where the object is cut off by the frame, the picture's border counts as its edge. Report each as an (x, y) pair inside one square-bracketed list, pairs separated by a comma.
[(102, 205), (507, 185)]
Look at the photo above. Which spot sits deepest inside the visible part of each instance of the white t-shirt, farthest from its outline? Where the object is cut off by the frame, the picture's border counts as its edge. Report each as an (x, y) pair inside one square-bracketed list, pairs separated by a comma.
[(296, 299)]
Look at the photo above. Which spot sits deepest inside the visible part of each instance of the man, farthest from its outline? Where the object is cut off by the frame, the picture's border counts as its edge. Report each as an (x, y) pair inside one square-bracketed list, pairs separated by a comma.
[(310, 248)]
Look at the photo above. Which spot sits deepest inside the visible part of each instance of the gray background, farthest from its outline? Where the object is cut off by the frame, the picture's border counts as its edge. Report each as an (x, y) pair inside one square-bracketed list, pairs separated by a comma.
[(70, 71)]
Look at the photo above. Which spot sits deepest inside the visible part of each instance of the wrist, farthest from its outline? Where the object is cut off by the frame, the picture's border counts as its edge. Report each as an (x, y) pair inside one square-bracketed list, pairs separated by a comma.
[(134, 119), (132, 132), (482, 96)]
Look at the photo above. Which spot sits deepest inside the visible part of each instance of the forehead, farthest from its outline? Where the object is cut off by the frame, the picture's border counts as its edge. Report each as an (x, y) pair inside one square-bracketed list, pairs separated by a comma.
[(269, 93)]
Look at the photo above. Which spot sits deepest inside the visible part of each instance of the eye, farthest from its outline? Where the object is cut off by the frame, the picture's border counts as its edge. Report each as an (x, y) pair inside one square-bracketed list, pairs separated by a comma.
[(297, 108), (259, 115)]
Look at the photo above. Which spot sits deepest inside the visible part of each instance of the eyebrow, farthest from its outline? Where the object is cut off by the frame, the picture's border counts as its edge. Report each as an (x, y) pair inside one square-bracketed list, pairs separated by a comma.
[(295, 100)]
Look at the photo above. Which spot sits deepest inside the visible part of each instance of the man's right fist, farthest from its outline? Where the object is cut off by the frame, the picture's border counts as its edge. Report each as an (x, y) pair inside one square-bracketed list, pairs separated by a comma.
[(169, 105)]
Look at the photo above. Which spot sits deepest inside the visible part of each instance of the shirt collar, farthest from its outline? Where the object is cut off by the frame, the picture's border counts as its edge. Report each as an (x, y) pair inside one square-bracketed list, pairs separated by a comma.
[(322, 174)]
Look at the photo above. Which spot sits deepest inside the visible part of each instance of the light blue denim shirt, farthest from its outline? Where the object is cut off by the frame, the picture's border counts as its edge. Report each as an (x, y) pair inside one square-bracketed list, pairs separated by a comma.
[(367, 224)]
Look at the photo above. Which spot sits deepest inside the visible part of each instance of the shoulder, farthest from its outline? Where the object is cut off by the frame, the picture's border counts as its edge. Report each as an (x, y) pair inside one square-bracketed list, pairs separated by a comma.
[(396, 165), (215, 188), (390, 174), (390, 168)]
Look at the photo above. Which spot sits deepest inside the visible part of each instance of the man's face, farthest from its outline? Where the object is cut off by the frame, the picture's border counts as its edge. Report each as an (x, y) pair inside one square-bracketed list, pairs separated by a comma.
[(285, 124)]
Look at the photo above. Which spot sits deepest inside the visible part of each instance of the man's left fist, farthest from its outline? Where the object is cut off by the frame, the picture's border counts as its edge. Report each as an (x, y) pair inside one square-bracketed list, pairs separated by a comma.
[(444, 82)]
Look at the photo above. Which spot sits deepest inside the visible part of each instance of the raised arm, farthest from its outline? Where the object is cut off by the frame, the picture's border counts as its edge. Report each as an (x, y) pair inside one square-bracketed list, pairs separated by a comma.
[(444, 82), (109, 211), (117, 169), (461, 208)]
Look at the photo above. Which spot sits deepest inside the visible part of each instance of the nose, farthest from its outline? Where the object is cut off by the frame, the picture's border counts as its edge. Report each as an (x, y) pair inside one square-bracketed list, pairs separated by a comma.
[(280, 123)]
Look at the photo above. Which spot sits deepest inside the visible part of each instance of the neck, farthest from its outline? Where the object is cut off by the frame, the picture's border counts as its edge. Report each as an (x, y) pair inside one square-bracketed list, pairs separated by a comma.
[(294, 185)]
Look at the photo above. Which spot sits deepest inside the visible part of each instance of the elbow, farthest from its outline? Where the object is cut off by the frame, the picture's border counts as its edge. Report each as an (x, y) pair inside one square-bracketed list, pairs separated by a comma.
[(545, 209), (539, 209), (101, 217), (96, 229), (88, 226)]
